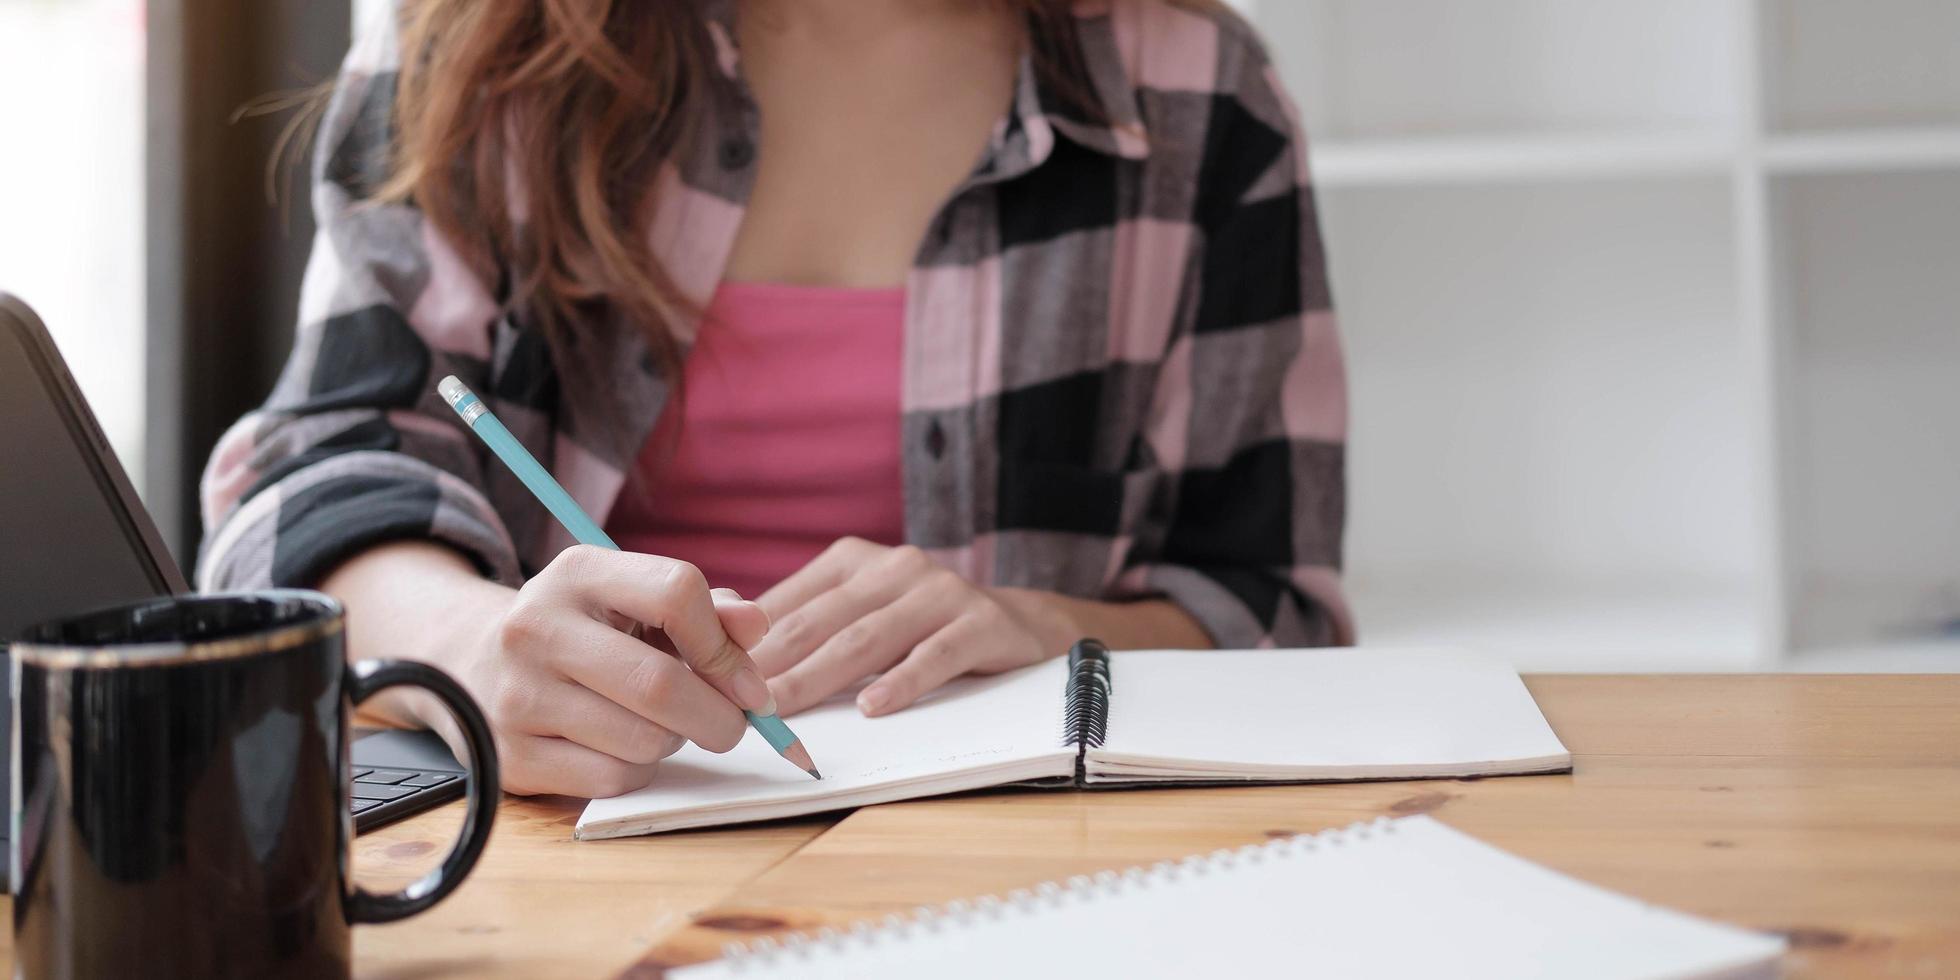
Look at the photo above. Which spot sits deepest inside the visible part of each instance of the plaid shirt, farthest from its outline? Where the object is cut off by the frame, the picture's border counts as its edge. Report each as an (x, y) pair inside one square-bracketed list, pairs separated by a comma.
[(1121, 374)]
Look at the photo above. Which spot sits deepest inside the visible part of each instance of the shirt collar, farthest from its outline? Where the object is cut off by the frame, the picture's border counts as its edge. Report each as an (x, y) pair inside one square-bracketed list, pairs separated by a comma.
[(1111, 122), (720, 16)]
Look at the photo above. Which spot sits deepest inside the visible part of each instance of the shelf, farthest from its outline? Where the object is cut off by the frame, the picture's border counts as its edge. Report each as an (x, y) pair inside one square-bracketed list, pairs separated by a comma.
[(1644, 294), (1863, 150), (1521, 158), (1871, 413), (1898, 611), (1830, 64), (1392, 69), (1444, 160), (1557, 626), (1532, 397), (1933, 655)]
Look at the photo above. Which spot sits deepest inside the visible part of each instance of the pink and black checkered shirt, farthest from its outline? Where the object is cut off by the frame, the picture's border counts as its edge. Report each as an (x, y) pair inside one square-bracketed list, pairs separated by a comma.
[(1121, 373)]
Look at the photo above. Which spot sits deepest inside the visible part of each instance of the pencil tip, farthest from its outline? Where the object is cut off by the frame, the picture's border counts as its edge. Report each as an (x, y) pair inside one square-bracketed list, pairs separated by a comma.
[(799, 757)]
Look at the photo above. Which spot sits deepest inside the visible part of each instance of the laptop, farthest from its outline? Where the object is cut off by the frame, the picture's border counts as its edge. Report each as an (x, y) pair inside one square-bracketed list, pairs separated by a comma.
[(74, 536)]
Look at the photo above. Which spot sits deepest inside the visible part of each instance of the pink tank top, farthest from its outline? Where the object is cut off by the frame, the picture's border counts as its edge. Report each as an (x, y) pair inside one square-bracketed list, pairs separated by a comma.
[(789, 436)]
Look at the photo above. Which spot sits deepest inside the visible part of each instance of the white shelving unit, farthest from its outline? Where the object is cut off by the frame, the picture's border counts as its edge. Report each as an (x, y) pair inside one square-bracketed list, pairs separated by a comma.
[(1653, 317)]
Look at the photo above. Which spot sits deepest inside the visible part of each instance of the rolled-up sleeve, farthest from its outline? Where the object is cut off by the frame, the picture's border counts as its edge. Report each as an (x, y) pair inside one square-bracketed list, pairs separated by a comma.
[(353, 447)]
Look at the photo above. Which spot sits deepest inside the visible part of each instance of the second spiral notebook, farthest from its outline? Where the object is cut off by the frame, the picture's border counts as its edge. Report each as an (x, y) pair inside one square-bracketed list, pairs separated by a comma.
[(1097, 720)]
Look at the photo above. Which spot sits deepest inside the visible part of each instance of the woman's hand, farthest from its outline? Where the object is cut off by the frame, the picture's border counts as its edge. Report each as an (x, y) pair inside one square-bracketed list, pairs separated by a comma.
[(862, 608), (577, 704), (580, 705)]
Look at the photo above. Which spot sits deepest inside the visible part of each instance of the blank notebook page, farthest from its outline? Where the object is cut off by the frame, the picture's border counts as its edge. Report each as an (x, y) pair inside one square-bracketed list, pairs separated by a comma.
[(1404, 898), (976, 731), (1384, 711)]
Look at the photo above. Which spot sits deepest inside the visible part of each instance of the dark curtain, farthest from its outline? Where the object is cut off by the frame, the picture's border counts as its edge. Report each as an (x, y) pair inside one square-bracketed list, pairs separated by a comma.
[(224, 262)]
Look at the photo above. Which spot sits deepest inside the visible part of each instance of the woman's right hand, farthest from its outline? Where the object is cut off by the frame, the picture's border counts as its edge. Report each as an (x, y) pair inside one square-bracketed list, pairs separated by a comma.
[(578, 705), (581, 706)]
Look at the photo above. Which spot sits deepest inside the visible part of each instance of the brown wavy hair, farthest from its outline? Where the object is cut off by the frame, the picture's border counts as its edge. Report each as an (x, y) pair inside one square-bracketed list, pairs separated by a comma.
[(568, 105)]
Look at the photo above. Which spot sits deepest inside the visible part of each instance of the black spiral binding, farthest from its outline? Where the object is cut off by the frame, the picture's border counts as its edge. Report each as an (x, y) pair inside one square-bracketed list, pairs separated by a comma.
[(1085, 716)]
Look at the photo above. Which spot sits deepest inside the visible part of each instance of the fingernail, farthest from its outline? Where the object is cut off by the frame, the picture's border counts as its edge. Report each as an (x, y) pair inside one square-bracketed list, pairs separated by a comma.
[(753, 693), (728, 593), (873, 700)]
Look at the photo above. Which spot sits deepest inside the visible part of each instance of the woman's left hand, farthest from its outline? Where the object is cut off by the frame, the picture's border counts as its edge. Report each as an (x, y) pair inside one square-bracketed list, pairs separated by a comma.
[(862, 608)]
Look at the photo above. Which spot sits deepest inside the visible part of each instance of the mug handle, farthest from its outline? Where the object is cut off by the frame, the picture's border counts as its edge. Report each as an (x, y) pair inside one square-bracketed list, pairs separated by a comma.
[(365, 677)]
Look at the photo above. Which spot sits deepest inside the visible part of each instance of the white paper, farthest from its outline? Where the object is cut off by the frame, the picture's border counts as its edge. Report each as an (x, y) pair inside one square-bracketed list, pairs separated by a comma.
[(1175, 716), (1337, 713), (975, 732), (1405, 898)]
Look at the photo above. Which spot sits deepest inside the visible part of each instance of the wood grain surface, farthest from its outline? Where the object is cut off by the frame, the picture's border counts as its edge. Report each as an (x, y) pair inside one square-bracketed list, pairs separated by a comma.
[(1824, 808), (540, 904)]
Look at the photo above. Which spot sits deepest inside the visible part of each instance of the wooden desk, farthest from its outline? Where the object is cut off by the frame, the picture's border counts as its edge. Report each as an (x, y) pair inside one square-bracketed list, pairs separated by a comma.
[(1827, 808), (540, 904)]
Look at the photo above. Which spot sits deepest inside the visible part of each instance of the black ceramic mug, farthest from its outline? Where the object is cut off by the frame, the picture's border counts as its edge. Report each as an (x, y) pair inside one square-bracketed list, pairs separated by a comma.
[(181, 790)]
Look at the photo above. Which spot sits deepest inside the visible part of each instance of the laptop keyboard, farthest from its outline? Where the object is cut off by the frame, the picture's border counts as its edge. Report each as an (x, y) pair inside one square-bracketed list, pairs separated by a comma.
[(397, 773), (373, 787)]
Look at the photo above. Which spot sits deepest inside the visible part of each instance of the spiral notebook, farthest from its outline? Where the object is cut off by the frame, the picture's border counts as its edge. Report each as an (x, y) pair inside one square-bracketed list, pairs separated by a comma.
[(1147, 717), (1401, 898)]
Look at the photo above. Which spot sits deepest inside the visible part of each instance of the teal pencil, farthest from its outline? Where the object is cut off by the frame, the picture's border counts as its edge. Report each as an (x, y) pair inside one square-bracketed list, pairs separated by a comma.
[(525, 466)]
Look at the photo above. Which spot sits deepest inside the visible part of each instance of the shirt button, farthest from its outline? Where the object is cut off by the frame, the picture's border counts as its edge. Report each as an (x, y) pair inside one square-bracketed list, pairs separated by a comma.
[(936, 440), (736, 153)]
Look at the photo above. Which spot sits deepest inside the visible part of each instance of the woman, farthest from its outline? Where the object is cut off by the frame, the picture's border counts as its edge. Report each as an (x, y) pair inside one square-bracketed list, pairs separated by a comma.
[(731, 270)]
